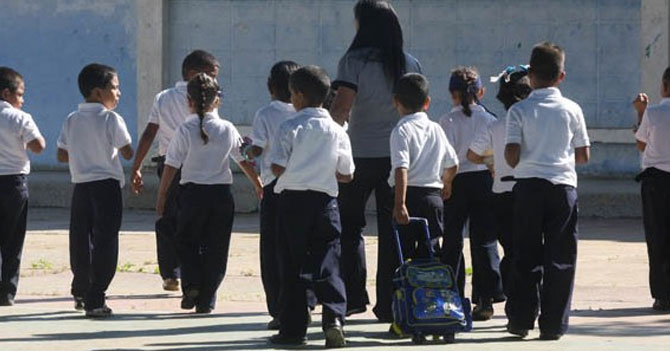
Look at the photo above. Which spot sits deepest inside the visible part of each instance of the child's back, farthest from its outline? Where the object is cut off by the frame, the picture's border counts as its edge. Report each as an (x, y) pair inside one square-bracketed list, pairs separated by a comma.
[(266, 124), (461, 129), (17, 128), (655, 132), (169, 111)]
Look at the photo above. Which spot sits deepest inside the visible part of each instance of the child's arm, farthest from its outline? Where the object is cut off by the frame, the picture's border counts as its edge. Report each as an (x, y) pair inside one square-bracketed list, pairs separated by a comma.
[(253, 177), (344, 178), (277, 170), (447, 179), (640, 105), (400, 213), (512, 154), (126, 152), (36, 145), (582, 155), (169, 173), (62, 156), (146, 140)]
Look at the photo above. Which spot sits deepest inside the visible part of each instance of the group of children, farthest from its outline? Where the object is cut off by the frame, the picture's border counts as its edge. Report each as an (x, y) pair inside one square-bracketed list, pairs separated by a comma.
[(470, 168)]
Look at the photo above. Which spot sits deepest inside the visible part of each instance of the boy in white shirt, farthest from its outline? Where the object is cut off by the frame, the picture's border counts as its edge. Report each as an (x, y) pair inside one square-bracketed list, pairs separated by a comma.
[(18, 132), (266, 123), (653, 140), (91, 140), (546, 137), (169, 111), (311, 153), (423, 163)]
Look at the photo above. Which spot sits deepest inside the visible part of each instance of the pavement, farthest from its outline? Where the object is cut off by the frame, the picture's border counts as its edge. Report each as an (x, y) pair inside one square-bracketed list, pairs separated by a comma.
[(610, 306)]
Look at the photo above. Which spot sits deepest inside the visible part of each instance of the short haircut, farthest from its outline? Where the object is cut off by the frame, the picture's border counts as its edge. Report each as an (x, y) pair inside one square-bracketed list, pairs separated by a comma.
[(278, 79), (546, 61), (666, 77), (199, 61), (95, 75), (312, 82), (10, 79), (411, 91)]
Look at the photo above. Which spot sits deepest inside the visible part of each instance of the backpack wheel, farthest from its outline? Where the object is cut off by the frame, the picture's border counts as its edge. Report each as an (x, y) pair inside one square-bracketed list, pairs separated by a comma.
[(449, 338), (418, 339)]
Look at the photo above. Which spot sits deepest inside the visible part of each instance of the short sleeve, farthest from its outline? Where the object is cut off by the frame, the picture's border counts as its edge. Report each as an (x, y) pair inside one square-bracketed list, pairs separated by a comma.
[(514, 131), (399, 146), (63, 137), (348, 71), (259, 131), (29, 130), (580, 137), (282, 145), (178, 148), (482, 140), (236, 140), (154, 114), (345, 160), (117, 131), (450, 156), (642, 133)]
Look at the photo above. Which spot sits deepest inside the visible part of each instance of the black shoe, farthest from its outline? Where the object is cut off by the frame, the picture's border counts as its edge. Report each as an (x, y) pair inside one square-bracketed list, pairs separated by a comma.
[(482, 312), (100, 312), (203, 310), (355, 310), (280, 339), (661, 305), (6, 301), (550, 336), (190, 299), (274, 324), (520, 332), (79, 303), (383, 317), (334, 335)]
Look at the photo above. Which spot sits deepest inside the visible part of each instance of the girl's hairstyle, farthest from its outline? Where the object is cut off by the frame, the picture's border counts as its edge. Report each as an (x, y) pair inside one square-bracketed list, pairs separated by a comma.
[(466, 84), (203, 91), (666, 78), (199, 61), (514, 87), (10, 79), (95, 75), (278, 79), (378, 27), (412, 91), (546, 62), (312, 82)]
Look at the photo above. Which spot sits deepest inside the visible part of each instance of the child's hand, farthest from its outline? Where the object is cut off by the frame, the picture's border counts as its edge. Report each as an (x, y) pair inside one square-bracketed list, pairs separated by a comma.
[(446, 192), (259, 192), (160, 205), (400, 214), (641, 103), (136, 183)]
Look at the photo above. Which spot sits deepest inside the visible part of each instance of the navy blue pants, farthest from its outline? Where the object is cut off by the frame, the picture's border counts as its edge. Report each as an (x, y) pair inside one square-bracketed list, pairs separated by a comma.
[(166, 229), (13, 216), (425, 203), (655, 213), (545, 255), (371, 174), (471, 201), (310, 248), (95, 221), (269, 249), (503, 211), (204, 227)]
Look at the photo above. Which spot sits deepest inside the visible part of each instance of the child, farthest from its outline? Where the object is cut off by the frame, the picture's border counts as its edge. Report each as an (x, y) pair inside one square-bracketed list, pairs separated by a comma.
[(169, 111), (423, 161), (310, 154), (265, 127), (470, 200), (202, 147), (514, 87), (91, 140), (546, 136), (652, 140), (18, 132)]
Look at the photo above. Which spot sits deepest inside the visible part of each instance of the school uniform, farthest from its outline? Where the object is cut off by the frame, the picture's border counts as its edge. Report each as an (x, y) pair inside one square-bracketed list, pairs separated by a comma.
[(92, 136), (205, 204), (548, 128), (312, 148), (420, 146), (372, 119), (17, 129), (265, 126), (471, 201), (492, 136), (655, 187)]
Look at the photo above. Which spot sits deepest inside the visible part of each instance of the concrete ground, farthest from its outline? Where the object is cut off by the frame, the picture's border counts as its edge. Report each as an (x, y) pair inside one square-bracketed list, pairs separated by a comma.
[(610, 309)]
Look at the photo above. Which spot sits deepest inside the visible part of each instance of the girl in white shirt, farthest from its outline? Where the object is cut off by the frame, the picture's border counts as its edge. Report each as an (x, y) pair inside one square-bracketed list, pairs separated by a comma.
[(202, 148)]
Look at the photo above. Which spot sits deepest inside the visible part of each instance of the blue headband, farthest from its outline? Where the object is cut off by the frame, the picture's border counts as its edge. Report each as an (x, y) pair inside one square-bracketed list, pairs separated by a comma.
[(507, 72), (456, 83)]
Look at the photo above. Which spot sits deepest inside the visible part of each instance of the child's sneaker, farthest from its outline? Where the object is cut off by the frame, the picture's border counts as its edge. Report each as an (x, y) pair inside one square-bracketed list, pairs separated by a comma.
[(100, 312), (78, 303)]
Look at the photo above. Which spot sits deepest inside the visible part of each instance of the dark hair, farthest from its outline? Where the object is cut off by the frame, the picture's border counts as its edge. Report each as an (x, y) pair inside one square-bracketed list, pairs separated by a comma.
[(411, 91), (546, 62), (278, 79), (200, 61), (666, 77), (379, 27), (514, 89), (9, 79), (465, 82), (203, 91), (95, 75), (313, 82)]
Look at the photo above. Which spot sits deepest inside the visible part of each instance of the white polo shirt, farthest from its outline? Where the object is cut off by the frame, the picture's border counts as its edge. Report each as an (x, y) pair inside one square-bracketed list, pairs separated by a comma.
[(548, 127), (205, 163), (169, 111), (419, 145), (655, 132), (492, 136), (460, 130), (17, 129), (265, 126), (92, 136), (312, 147)]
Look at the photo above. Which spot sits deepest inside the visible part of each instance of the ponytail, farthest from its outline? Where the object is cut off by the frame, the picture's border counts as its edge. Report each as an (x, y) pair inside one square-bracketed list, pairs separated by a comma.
[(465, 81), (203, 91)]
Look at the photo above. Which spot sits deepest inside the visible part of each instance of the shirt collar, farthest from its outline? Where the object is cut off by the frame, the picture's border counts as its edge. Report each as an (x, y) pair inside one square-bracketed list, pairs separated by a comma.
[(473, 107), (281, 105), (181, 85), (5, 104), (92, 106), (664, 101), (414, 116), (546, 92), (318, 112)]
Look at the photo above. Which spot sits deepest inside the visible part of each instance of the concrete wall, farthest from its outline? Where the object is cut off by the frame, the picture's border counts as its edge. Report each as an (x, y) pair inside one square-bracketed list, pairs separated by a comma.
[(50, 41)]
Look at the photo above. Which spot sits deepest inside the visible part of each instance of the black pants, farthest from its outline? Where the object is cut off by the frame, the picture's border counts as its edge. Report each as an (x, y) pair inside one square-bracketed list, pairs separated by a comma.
[(13, 216), (310, 249), (204, 226), (269, 249), (95, 221), (545, 255), (371, 174), (656, 218), (425, 203), (471, 200), (166, 228), (503, 211)]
